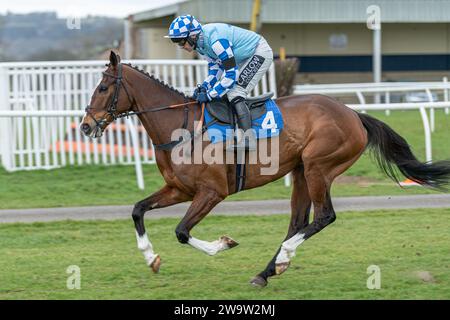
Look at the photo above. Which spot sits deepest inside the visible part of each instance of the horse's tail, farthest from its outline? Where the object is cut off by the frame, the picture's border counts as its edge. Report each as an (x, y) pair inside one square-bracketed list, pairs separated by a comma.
[(390, 149)]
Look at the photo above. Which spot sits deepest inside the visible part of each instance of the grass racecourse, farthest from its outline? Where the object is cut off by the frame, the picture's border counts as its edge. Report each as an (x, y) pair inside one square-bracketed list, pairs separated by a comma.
[(411, 247)]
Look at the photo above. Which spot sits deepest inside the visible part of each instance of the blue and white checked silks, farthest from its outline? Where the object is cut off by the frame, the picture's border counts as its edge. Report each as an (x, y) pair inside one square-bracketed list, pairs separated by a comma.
[(184, 26), (219, 42), (223, 50)]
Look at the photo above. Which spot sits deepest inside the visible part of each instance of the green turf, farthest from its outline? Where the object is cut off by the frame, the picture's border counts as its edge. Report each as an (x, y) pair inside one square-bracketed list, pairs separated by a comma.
[(101, 185), (331, 265)]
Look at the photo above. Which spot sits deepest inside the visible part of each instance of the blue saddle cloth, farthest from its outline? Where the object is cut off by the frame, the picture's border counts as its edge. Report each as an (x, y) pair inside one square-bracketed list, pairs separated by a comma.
[(268, 125)]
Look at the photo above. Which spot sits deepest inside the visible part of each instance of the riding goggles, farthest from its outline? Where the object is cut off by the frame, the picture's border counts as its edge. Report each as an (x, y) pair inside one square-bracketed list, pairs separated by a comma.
[(179, 41)]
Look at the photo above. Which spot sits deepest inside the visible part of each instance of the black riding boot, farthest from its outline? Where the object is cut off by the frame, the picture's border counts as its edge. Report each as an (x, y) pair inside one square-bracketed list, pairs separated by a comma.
[(244, 123)]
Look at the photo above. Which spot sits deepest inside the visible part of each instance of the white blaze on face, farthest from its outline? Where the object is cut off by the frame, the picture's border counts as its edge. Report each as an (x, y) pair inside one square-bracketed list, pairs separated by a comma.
[(288, 248), (146, 247)]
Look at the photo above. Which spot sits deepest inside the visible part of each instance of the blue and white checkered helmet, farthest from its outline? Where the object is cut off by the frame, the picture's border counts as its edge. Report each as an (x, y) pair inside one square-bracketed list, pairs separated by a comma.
[(184, 26)]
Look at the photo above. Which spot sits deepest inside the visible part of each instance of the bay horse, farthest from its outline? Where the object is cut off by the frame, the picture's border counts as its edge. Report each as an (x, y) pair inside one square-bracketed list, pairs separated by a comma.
[(321, 139)]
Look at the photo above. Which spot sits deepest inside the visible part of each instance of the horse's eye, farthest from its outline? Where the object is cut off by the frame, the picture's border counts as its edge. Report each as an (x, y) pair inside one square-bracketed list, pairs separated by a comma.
[(102, 88)]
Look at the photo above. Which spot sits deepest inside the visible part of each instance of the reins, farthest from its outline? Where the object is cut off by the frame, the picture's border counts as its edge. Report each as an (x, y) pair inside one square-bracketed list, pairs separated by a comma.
[(172, 106), (170, 145)]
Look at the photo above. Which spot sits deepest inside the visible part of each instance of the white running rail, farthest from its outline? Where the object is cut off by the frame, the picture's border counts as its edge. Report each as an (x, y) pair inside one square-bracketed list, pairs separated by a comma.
[(427, 93), (431, 92), (42, 103)]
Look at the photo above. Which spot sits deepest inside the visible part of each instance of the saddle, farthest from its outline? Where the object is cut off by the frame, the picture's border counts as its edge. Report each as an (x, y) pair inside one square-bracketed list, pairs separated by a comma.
[(222, 111)]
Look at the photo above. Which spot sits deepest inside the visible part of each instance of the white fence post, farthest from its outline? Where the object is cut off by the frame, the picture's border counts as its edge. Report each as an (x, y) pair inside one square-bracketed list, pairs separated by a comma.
[(5, 123), (445, 80), (387, 99), (427, 131), (430, 98), (137, 157), (272, 80)]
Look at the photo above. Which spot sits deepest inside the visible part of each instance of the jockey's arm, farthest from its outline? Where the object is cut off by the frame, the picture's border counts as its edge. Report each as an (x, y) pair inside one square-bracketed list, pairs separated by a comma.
[(214, 73), (223, 49)]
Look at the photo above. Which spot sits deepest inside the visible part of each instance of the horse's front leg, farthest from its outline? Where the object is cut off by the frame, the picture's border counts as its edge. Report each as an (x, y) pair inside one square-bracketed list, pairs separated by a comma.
[(165, 197), (203, 202)]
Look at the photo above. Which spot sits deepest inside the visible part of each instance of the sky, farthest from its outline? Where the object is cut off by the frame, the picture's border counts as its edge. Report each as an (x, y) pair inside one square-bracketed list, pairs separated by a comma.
[(81, 8)]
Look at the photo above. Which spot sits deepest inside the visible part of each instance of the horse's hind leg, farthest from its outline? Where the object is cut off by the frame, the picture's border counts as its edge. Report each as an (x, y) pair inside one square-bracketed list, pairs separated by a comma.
[(300, 208), (319, 191), (203, 202), (165, 197), (321, 167)]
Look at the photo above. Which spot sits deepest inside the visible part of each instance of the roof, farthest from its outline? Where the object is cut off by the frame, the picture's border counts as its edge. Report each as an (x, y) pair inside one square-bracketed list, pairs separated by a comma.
[(304, 11), (166, 9)]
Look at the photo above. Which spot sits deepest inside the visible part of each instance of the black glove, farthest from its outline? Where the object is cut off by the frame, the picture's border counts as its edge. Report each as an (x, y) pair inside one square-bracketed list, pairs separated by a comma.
[(200, 88), (202, 97)]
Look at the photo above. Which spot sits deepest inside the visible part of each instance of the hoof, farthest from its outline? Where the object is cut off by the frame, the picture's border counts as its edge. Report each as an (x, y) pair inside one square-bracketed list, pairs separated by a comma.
[(258, 282), (230, 243), (281, 267), (156, 264)]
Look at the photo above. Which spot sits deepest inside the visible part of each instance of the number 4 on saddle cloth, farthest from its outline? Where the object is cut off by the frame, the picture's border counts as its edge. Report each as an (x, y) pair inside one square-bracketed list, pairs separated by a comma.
[(266, 118)]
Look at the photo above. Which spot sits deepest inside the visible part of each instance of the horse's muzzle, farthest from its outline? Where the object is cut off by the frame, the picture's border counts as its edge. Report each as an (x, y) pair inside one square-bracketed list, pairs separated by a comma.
[(85, 128)]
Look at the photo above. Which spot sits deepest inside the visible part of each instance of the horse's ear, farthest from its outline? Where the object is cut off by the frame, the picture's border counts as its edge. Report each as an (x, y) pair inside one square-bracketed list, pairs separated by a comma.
[(113, 59)]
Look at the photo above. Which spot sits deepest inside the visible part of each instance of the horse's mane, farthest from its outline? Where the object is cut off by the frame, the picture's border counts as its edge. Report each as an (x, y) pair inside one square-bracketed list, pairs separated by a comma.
[(160, 82)]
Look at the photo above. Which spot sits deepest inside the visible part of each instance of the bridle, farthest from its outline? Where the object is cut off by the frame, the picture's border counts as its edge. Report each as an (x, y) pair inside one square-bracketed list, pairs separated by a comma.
[(111, 111)]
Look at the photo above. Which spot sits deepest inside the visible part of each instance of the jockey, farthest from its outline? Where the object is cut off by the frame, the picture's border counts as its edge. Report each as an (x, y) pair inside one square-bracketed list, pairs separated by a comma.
[(237, 60)]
